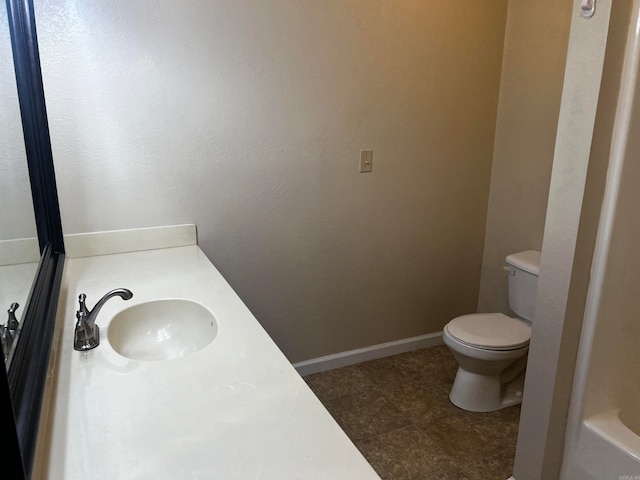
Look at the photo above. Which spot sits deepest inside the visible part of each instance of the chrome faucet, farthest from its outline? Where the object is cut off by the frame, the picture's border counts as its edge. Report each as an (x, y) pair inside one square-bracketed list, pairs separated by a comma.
[(9, 331), (87, 334)]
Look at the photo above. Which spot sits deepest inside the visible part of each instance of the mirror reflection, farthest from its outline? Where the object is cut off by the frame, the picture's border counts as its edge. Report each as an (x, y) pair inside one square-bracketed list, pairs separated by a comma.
[(19, 252)]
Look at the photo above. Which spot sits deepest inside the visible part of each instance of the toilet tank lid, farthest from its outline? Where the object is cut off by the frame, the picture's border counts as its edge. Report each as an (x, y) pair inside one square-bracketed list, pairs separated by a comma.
[(529, 261)]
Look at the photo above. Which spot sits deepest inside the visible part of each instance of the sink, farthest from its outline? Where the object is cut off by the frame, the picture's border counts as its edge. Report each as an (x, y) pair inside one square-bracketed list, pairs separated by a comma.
[(162, 329)]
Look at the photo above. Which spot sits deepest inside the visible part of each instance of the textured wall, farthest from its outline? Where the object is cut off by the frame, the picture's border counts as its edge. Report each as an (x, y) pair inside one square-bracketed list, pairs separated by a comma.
[(16, 206), (247, 118), (532, 72)]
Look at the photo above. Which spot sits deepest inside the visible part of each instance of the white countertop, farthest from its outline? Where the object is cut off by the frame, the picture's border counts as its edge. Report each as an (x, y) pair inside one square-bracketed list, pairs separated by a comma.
[(236, 409)]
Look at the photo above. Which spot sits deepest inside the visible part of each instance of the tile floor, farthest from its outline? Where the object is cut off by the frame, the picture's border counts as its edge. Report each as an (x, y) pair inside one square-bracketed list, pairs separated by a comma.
[(397, 412)]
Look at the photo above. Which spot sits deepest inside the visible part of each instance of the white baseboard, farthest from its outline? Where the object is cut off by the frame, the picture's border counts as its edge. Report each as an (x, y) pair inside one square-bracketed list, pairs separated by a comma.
[(359, 355), (20, 250), (134, 240)]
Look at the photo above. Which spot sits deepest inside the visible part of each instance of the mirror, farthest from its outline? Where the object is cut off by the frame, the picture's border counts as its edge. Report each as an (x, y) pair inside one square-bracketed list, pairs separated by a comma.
[(19, 252), (22, 383)]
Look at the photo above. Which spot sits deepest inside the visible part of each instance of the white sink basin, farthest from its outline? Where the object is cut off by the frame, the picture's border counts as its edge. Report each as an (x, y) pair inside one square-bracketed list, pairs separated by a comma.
[(162, 330)]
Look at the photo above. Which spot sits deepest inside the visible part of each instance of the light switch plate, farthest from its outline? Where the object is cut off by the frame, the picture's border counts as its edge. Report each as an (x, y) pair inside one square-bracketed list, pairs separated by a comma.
[(366, 161)]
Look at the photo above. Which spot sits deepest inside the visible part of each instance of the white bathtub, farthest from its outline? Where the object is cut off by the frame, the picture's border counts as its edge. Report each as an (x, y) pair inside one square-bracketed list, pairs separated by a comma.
[(605, 448)]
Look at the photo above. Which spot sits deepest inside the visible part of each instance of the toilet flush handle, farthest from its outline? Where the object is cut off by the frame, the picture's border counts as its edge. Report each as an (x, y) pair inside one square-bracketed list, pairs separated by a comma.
[(509, 269)]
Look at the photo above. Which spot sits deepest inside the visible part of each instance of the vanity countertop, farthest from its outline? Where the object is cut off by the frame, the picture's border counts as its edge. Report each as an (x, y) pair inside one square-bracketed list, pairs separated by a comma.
[(236, 409)]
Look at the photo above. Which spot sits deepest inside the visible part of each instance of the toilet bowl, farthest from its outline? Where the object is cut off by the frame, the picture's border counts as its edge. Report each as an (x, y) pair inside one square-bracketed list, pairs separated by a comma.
[(491, 348), (490, 372)]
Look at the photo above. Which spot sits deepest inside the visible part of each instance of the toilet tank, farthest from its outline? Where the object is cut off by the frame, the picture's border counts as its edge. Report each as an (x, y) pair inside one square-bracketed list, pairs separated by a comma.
[(524, 268)]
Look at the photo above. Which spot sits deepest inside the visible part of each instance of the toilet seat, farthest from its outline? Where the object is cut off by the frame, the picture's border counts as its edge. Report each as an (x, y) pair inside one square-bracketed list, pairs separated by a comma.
[(490, 331)]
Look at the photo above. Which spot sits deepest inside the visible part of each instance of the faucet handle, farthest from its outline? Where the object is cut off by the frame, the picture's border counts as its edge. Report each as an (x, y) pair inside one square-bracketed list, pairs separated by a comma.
[(9, 332), (12, 321), (80, 324), (83, 307)]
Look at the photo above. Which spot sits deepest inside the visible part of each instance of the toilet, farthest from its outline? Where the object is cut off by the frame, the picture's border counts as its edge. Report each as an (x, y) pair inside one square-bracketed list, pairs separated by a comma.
[(491, 348)]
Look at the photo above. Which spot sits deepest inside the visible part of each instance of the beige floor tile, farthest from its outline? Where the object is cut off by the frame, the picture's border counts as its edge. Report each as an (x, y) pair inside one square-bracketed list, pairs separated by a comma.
[(419, 402), (397, 411), (338, 383), (462, 437), (408, 454), (367, 414), (494, 467)]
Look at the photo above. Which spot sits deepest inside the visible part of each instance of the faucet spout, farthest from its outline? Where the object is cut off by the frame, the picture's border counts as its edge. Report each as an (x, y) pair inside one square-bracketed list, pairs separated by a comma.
[(91, 315), (87, 334)]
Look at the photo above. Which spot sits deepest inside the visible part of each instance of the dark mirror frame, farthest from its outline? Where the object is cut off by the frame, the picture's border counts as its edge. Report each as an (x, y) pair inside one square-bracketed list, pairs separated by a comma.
[(22, 386)]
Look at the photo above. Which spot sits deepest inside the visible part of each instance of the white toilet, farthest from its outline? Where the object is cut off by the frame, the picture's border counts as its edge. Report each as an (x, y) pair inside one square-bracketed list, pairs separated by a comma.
[(491, 348)]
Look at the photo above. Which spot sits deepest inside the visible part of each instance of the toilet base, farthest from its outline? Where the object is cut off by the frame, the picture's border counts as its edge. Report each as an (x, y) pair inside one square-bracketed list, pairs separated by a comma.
[(485, 393)]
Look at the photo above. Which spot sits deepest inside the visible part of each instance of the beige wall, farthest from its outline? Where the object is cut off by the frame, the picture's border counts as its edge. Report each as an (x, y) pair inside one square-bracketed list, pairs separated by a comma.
[(532, 73), (247, 118), (16, 206)]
